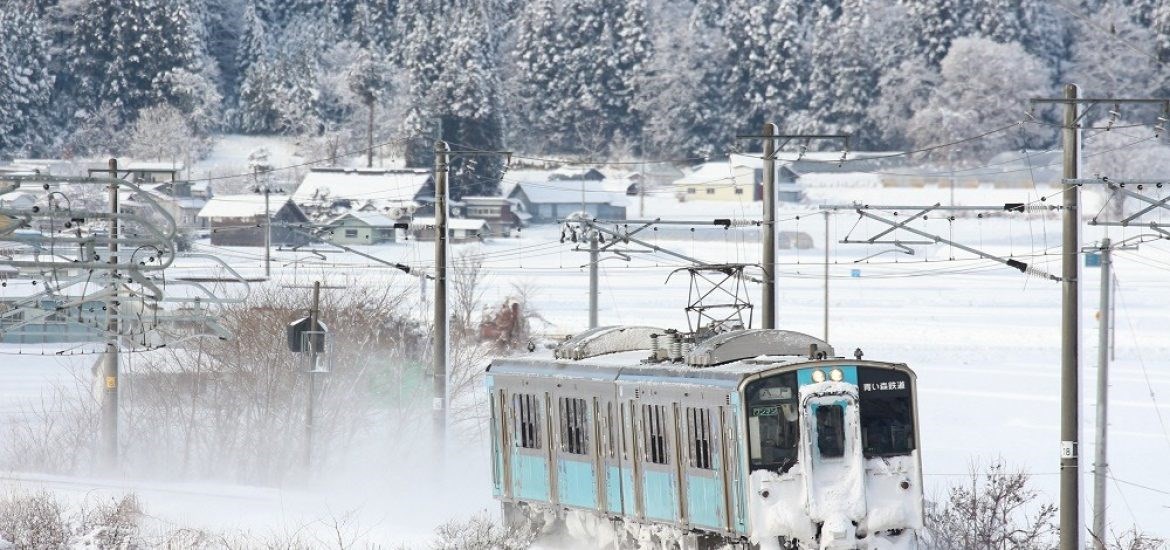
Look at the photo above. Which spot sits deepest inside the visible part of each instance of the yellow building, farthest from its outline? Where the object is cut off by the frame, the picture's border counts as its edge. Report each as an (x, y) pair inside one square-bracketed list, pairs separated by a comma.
[(735, 181)]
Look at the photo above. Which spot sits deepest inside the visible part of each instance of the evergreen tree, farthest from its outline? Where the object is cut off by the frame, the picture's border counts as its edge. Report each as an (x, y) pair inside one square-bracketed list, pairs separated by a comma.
[(125, 48), (843, 73), (937, 24), (454, 85), (998, 20), (26, 85), (253, 42), (766, 70), (537, 56)]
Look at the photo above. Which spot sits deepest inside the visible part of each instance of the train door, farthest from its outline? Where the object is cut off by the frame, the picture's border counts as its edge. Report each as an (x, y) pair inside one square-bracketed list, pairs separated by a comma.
[(631, 461), (702, 465), (658, 481), (528, 463), (608, 458), (836, 469), (576, 463), (501, 444)]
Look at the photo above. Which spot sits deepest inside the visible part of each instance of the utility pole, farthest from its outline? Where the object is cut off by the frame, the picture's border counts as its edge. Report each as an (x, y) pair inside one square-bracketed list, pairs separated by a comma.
[(826, 314), (1070, 529), (370, 135), (267, 235), (113, 344), (594, 256), (1101, 464), (1070, 346), (314, 316), (769, 228), (442, 152)]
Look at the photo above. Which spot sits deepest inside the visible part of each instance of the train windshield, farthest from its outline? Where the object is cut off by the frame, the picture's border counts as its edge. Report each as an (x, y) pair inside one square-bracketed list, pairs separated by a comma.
[(773, 428), (887, 412)]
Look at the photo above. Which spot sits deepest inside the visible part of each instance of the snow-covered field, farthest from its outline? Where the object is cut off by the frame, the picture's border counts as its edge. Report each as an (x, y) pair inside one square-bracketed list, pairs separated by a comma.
[(983, 338)]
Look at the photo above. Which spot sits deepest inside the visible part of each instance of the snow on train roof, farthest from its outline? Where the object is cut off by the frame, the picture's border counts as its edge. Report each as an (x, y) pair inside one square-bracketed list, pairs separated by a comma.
[(629, 365)]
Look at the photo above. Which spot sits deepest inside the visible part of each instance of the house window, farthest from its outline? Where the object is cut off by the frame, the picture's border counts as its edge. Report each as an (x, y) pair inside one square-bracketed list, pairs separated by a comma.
[(574, 426), (351, 233), (654, 421), (738, 190), (699, 437), (710, 190), (691, 191), (527, 420)]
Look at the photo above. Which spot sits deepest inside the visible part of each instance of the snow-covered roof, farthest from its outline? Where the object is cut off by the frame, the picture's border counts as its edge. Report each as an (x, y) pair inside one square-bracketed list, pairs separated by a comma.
[(716, 172), (466, 224), (372, 219), (241, 206), (136, 166), (569, 191), (361, 184)]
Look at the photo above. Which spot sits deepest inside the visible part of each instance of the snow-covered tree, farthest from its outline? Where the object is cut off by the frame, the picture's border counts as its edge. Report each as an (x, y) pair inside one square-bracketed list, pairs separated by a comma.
[(253, 42), (26, 84), (1121, 65), (902, 91), (937, 24), (369, 81), (682, 98), (972, 97), (161, 133), (124, 49), (537, 66), (843, 73), (767, 72)]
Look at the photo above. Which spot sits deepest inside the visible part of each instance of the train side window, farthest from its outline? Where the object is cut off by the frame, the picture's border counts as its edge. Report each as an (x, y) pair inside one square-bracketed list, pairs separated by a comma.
[(699, 437), (831, 431), (574, 415), (654, 419), (527, 412)]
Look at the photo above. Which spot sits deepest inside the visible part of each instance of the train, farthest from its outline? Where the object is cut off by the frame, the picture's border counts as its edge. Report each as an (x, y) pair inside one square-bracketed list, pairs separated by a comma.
[(636, 436)]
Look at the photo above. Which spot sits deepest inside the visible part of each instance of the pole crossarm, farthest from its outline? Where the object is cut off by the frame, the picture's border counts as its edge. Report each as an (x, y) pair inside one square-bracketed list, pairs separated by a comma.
[(1006, 207), (937, 239)]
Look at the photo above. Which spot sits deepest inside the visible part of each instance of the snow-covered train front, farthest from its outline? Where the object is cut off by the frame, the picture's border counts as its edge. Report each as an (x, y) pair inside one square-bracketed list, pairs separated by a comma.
[(755, 437)]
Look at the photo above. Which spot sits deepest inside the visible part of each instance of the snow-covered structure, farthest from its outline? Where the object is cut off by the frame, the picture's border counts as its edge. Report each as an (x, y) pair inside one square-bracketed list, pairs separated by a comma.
[(241, 220), (458, 229), (554, 199), (358, 227), (327, 192), (502, 214)]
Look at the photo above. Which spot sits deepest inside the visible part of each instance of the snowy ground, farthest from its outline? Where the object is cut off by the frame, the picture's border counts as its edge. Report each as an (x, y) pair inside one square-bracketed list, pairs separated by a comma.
[(983, 338)]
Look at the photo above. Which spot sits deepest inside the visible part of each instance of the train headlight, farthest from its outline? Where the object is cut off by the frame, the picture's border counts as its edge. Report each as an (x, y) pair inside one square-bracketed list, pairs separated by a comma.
[(836, 375), (818, 376)]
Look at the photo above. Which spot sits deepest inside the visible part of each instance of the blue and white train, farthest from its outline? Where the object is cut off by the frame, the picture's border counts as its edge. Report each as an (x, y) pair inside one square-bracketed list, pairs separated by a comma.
[(636, 436)]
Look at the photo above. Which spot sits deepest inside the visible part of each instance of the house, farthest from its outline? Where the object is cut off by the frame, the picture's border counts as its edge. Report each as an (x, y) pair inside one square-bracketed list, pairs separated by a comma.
[(183, 200), (737, 179), (18, 200), (459, 230), (568, 173), (553, 200), (501, 214), (328, 192), (30, 314), (240, 220), (360, 228)]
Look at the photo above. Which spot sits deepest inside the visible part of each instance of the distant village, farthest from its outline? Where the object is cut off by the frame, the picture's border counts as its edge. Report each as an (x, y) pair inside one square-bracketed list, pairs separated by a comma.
[(367, 206)]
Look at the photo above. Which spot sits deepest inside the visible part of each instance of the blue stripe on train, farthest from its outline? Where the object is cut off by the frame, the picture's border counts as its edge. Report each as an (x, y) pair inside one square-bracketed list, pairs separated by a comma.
[(705, 501), (613, 490), (576, 483), (659, 495), (804, 376), (530, 477)]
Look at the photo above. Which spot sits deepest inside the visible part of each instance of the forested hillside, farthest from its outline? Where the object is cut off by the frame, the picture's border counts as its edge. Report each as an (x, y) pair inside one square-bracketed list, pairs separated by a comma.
[(597, 78)]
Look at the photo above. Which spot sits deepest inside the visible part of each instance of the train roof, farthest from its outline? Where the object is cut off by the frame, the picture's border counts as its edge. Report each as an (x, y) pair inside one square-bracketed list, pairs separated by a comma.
[(628, 366)]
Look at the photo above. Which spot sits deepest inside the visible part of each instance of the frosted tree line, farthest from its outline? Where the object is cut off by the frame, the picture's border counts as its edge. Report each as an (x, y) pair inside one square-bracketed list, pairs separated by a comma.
[(592, 78)]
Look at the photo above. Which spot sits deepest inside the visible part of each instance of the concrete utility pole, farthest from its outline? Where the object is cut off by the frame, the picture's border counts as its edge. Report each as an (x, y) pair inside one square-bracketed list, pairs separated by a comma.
[(1070, 345), (826, 314), (267, 235), (113, 344), (1101, 465), (594, 256), (442, 152), (1070, 527), (768, 262), (314, 316)]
